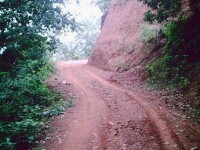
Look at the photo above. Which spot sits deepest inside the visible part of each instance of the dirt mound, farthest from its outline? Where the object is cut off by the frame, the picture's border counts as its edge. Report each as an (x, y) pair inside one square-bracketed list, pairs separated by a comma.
[(119, 42)]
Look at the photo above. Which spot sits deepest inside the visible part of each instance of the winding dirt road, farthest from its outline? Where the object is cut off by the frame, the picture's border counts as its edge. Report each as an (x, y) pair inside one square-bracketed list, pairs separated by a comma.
[(108, 116)]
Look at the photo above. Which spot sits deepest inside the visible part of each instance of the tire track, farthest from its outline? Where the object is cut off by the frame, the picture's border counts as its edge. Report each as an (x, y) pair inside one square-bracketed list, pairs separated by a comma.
[(84, 133), (169, 138)]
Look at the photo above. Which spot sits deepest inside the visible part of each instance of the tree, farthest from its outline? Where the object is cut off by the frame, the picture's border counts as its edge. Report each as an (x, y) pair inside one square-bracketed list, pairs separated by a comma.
[(24, 28), (180, 55), (27, 29), (87, 36), (164, 10), (161, 10), (102, 4), (81, 45)]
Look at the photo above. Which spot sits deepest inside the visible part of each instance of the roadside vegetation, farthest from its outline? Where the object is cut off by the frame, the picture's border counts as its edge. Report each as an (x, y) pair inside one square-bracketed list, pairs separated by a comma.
[(178, 65), (102, 4), (80, 46), (27, 30), (181, 52)]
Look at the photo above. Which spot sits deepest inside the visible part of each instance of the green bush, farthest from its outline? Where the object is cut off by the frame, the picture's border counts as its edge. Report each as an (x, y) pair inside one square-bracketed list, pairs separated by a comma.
[(147, 34), (179, 55), (23, 99), (27, 33)]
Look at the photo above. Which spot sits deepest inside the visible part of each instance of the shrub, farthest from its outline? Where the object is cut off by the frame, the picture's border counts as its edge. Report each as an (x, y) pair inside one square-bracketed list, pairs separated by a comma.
[(27, 32), (147, 34), (180, 54), (23, 99)]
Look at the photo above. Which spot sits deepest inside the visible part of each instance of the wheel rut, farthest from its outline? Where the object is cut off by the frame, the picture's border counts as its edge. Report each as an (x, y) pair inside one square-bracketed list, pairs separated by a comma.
[(108, 116), (168, 137)]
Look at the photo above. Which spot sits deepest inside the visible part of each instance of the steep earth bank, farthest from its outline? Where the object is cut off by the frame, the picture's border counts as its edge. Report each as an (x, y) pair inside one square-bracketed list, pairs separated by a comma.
[(119, 48), (119, 45)]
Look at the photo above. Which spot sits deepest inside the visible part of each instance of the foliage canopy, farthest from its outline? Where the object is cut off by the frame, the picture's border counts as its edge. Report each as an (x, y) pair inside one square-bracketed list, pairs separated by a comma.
[(24, 28), (27, 29), (161, 10), (102, 4), (181, 51)]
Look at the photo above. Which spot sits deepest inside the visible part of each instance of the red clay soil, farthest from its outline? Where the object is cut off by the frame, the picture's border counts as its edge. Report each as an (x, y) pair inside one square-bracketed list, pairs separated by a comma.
[(108, 115), (119, 42)]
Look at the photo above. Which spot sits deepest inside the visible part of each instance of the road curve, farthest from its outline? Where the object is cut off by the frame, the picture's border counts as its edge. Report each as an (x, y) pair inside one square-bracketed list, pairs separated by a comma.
[(111, 117)]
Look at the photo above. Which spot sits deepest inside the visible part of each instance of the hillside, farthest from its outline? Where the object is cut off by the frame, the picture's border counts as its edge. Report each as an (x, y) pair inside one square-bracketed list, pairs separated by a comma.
[(119, 42), (125, 45)]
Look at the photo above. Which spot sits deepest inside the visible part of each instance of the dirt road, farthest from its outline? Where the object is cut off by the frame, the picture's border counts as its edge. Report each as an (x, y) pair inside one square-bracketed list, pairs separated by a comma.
[(108, 116)]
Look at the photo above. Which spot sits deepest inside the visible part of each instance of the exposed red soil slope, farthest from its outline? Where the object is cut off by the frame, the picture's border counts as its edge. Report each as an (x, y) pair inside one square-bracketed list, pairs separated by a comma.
[(119, 42)]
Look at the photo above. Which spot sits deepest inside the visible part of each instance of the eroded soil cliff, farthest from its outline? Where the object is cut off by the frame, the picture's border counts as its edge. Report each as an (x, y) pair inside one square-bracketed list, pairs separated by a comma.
[(119, 43)]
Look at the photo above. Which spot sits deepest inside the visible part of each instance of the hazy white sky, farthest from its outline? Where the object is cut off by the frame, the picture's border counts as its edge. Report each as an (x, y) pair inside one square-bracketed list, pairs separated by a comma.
[(81, 11)]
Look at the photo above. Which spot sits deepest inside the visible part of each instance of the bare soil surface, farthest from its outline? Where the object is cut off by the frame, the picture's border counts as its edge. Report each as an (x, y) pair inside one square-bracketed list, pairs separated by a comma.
[(119, 43), (110, 113)]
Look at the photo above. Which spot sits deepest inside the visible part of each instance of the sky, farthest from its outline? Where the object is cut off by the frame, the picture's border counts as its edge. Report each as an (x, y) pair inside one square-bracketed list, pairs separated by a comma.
[(81, 11)]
